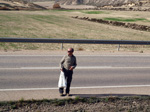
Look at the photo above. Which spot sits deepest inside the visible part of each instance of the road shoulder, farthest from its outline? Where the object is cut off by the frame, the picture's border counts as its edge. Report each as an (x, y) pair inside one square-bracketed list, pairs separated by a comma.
[(87, 92), (63, 52)]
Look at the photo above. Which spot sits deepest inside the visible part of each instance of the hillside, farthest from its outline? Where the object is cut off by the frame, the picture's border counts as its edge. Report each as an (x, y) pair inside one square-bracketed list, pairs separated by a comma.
[(103, 3), (29, 5), (18, 5)]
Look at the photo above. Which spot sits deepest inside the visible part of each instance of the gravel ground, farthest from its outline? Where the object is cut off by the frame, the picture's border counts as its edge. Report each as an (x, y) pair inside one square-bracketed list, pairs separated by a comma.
[(108, 104)]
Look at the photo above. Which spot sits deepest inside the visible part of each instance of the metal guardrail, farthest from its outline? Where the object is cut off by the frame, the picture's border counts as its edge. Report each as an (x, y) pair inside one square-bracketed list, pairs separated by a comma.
[(77, 41)]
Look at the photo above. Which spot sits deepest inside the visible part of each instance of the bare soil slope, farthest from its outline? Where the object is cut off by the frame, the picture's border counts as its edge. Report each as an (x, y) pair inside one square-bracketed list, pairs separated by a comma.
[(105, 2), (18, 5), (108, 104)]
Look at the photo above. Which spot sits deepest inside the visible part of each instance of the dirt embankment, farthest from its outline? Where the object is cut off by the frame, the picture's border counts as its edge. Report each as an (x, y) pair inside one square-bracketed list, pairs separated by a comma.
[(103, 3), (128, 5), (108, 104), (19, 5), (115, 23)]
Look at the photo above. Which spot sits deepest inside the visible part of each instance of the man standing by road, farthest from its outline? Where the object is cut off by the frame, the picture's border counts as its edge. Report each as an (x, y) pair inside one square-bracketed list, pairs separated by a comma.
[(68, 63)]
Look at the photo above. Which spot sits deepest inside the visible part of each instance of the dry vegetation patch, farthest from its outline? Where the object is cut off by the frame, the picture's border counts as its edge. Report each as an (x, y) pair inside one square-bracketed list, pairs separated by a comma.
[(59, 24), (92, 104)]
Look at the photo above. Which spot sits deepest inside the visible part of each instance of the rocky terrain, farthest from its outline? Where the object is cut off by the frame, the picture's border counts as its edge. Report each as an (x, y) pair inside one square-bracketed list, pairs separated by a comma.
[(18, 5), (115, 23), (108, 104), (105, 3)]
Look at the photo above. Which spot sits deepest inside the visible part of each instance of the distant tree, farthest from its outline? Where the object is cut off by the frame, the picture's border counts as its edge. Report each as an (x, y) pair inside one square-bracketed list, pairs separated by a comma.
[(56, 6)]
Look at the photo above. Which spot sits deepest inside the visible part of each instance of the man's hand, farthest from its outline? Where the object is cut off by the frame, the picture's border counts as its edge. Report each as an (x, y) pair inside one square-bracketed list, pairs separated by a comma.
[(71, 68), (61, 69)]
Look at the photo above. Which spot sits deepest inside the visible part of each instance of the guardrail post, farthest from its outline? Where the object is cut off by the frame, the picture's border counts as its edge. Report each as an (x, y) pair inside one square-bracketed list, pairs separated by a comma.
[(118, 47), (61, 46)]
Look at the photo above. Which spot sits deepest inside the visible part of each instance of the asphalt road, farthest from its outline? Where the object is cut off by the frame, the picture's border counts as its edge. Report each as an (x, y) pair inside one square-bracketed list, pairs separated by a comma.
[(82, 61), (27, 72)]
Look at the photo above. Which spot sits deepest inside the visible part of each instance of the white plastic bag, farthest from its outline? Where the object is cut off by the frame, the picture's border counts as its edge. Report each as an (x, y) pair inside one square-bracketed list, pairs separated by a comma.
[(62, 82)]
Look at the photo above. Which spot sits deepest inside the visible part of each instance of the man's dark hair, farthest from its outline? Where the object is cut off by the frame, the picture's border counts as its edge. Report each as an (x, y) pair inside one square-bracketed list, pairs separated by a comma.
[(72, 50)]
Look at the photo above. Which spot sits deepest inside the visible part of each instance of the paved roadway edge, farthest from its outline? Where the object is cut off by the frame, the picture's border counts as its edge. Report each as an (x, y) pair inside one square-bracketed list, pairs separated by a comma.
[(90, 87)]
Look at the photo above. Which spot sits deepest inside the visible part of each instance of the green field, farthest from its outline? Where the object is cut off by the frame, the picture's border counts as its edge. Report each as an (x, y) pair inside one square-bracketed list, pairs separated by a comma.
[(60, 24), (127, 19)]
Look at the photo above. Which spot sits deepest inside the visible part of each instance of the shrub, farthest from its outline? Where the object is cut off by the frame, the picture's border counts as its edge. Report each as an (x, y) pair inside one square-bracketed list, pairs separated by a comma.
[(56, 6)]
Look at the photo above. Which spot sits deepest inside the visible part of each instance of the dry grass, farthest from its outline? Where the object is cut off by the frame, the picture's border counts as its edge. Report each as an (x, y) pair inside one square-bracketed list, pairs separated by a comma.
[(59, 24)]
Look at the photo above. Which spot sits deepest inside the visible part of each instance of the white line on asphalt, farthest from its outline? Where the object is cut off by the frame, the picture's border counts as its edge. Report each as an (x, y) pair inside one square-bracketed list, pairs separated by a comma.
[(88, 67), (30, 55), (90, 87), (76, 55), (113, 55), (40, 68), (53, 68)]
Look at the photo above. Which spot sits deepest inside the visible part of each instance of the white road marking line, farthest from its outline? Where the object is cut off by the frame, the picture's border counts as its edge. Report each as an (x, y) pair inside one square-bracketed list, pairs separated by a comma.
[(40, 68), (117, 55), (90, 87), (53, 68), (113, 55), (88, 67), (92, 67), (31, 55)]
